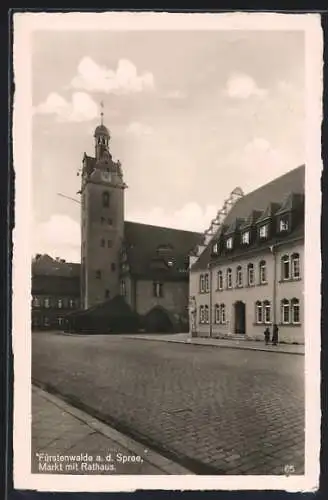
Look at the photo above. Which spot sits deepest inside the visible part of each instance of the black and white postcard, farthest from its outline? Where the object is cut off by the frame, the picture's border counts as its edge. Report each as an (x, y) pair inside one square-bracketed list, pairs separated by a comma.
[(166, 259)]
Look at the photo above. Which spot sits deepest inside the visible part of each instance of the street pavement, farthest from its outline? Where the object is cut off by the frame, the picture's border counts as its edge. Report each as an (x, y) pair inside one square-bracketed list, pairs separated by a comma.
[(66, 440), (215, 411)]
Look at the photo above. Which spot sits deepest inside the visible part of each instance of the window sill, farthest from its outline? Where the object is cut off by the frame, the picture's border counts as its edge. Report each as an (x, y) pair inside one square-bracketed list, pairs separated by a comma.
[(288, 280), (290, 324)]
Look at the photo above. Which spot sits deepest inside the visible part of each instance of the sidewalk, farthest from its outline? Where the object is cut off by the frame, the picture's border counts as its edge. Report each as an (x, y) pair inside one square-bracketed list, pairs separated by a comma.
[(66, 440), (184, 338)]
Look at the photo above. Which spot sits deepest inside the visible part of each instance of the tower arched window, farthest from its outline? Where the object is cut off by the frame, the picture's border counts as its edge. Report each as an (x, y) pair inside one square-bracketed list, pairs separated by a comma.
[(105, 199)]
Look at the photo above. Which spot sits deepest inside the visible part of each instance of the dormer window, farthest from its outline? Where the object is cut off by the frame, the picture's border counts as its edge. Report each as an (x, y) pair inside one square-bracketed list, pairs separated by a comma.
[(229, 243), (264, 231), (215, 249), (245, 238), (283, 224)]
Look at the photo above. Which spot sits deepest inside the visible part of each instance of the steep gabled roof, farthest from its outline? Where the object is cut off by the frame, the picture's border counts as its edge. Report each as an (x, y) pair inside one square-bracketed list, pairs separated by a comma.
[(143, 242), (274, 192)]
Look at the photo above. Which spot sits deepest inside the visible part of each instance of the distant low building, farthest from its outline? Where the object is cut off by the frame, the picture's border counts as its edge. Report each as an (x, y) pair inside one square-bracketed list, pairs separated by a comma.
[(249, 274), (55, 291)]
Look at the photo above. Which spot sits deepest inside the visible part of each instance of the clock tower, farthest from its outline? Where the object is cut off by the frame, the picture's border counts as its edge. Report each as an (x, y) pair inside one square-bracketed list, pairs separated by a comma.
[(102, 222)]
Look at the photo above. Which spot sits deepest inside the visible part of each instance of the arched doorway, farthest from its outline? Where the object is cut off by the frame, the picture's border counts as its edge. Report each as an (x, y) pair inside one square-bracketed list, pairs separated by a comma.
[(157, 320), (240, 317)]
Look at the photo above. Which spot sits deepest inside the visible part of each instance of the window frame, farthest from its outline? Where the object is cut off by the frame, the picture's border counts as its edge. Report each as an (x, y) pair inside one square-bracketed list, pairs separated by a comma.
[(295, 259), (264, 227), (245, 241), (239, 276), (263, 270), (285, 262), (285, 306), (250, 271), (258, 312), (220, 279), (229, 278)]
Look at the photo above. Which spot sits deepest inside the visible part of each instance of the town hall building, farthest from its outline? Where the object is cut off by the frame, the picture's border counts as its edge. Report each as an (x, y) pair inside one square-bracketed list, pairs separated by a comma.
[(147, 265), (248, 273)]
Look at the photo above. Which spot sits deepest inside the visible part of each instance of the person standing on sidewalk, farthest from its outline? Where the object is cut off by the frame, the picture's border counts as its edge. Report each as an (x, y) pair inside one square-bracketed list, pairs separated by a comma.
[(267, 336), (275, 334)]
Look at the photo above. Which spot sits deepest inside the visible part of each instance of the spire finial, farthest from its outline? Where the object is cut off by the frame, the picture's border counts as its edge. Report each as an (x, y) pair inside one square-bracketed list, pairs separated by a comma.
[(102, 112)]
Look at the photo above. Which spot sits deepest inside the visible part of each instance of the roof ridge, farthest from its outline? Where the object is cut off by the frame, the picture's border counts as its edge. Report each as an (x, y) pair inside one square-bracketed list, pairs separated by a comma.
[(163, 227)]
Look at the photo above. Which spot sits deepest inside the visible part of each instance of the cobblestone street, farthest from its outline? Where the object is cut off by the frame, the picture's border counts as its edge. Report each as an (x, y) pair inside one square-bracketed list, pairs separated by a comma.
[(221, 411)]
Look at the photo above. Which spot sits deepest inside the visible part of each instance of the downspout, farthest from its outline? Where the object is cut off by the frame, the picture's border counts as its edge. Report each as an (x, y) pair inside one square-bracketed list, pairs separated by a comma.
[(210, 305), (274, 289)]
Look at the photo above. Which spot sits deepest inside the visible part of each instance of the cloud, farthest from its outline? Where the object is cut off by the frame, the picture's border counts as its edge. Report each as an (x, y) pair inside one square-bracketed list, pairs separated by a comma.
[(242, 86), (81, 108), (59, 236), (124, 80), (191, 217), (139, 129)]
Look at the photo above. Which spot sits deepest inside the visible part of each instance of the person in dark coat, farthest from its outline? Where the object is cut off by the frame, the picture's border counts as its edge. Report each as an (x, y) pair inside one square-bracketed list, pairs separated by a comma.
[(275, 334), (267, 336)]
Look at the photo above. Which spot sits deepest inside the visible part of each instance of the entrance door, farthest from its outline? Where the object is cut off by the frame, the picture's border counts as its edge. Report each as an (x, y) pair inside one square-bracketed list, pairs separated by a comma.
[(240, 317)]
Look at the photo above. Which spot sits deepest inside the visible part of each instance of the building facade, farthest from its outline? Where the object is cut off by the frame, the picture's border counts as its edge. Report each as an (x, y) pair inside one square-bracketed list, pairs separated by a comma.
[(146, 264), (55, 291), (250, 274)]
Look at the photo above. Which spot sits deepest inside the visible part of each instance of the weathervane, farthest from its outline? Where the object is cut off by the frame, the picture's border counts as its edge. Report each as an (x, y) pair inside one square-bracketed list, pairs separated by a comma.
[(102, 112)]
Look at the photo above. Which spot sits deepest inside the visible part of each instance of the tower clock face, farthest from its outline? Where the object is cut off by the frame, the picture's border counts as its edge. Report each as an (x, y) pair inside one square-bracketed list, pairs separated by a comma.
[(106, 176)]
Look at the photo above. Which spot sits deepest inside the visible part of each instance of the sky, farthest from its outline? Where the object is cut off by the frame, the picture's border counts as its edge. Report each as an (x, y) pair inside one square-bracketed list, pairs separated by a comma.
[(192, 115)]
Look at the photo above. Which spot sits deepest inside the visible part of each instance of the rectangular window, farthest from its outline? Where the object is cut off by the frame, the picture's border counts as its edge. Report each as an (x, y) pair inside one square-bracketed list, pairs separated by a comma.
[(46, 321), (220, 280), (207, 284), (60, 303), (285, 268), (296, 267), (229, 278), (201, 284), (283, 225), (60, 321), (285, 313), (229, 243), (98, 274), (245, 238), (158, 289), (223, 314), (36, 302), (123, 288), (296, 313), (215, 249), (71, 303), (46, 303), (259, 312), (264, 230), (267, 313)]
